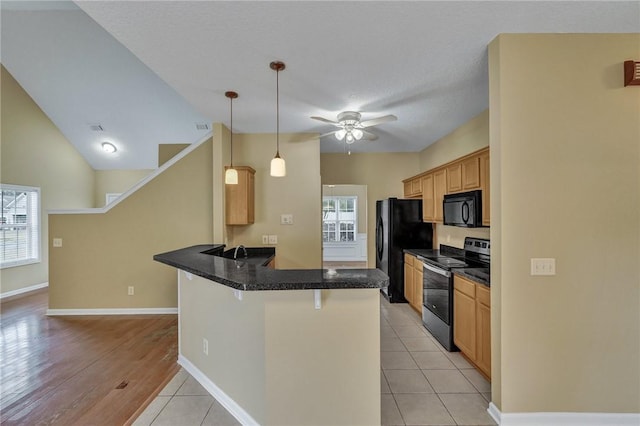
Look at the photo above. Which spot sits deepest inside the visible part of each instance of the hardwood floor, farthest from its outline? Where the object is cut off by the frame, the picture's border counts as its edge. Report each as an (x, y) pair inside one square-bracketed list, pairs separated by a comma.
[(81, 370)]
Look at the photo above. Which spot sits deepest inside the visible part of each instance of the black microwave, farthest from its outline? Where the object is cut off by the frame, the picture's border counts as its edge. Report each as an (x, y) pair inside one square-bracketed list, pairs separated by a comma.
[(463, 209)]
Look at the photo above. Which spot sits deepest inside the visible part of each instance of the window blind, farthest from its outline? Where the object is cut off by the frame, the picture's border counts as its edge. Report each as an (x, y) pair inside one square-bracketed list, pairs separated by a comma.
[(19, 225)]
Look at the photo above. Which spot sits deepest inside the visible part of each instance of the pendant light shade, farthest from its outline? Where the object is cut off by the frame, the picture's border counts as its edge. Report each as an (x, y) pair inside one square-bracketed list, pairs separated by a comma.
[(231, 174), (278, 167)]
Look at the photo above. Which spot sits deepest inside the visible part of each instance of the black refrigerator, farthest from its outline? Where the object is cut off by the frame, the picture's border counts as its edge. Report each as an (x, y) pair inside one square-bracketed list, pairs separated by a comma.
[(398, 226)]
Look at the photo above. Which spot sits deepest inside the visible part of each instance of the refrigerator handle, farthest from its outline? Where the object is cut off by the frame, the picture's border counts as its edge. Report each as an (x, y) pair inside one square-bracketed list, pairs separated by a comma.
[(379, 239)]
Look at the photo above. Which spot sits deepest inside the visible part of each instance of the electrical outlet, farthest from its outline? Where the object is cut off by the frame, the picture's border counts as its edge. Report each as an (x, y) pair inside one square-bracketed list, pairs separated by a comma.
[(205, 346), (286, 219), (265, 239), (273, 239), (57, 242), (545, 266), (130, 290)]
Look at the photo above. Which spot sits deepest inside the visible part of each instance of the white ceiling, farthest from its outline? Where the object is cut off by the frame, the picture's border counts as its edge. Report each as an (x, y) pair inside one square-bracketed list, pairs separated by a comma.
[(162, 66)]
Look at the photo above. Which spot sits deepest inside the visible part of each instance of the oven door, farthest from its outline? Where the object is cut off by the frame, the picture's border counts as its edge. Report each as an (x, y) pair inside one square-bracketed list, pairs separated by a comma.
[(437, 295)]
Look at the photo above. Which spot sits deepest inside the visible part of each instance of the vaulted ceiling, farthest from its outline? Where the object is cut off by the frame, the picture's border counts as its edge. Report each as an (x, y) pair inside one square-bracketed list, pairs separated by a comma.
[(149, 71)]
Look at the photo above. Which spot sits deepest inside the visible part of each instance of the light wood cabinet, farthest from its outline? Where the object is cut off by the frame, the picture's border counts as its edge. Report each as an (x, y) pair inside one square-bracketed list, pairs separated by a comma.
[(439, 191), (470, 173), (464, 174), (240, 198), (454, 178), (428, 199), (408, 278), (472, 322), (413, 187), (417, 286), (485, 185), (413, 281)]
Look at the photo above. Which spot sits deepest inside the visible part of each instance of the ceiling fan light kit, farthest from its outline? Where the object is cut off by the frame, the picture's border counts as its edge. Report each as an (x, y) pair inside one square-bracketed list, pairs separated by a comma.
[(352, 129), (231, 174), (278, 166)]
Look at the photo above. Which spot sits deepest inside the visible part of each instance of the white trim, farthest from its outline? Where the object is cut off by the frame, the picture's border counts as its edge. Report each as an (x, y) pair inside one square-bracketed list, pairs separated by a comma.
[(138, 185), (563, 419), (23, 290), (113, 311), (229, 404)]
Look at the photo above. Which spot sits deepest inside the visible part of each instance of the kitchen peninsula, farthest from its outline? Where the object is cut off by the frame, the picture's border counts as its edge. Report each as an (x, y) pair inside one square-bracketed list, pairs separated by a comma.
[(280, 346)]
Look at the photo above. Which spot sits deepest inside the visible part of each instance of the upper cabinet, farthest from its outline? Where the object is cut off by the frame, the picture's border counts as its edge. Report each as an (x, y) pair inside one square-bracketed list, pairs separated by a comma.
[(464, 174), (240, 198), (413, 187)]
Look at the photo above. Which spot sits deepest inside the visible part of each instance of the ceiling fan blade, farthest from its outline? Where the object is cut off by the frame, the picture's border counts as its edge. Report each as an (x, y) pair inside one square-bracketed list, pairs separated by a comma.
[(368, 136), (327, 134), (379, 120), (335, 123)]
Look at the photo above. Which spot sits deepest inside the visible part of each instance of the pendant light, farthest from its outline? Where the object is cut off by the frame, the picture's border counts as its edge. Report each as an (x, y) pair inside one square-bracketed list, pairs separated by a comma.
[(278, 167), (231, 175)]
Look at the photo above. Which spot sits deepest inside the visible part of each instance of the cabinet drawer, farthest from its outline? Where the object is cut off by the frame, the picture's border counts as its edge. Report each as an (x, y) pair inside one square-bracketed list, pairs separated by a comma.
[(483, 295), (408, 259), (464, 286)]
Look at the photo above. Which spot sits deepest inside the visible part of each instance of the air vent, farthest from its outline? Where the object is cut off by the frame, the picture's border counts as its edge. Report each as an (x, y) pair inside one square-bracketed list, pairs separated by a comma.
[(631, 73), (202, 126), (96, 127)]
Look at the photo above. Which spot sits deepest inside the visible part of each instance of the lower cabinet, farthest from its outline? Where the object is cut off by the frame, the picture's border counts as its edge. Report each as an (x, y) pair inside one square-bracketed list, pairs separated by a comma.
[(472, 322), (413, 282)]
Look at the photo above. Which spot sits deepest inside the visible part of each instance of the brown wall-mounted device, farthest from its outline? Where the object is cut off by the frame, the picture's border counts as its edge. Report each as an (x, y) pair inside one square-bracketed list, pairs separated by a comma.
[(631, 73)]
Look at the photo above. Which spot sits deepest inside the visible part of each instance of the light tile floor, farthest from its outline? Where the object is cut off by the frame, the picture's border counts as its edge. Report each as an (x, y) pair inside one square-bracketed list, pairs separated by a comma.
[(421, 383)]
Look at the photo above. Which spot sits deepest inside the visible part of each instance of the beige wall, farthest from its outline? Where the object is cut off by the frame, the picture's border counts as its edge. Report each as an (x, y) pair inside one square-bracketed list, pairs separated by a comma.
[(103, 254), (298, 193), (166, 151), (115, 181), (565, 146), (35, 153), (359, 191), (382, 173), (282, 358), (470, 137)]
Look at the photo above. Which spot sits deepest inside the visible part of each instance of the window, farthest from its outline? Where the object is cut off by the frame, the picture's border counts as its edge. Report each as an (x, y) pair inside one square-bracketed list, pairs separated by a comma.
[(19, 225), (339, 217)]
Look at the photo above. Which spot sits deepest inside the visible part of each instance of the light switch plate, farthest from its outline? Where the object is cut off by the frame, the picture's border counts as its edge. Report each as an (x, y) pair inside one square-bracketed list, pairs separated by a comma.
[(286, 219), (57, 242), (273, 239), (543, 266), (265, 239)]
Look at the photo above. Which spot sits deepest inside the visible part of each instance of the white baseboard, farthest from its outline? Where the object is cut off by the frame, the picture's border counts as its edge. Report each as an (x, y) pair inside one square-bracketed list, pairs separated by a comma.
[(23, 290), (563, 419), (229, 404), (114, 311)]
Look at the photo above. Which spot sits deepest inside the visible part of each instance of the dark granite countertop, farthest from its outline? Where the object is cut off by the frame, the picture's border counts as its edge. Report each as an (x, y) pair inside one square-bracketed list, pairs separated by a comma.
[(474, 274), (478, 275), (246, 275)]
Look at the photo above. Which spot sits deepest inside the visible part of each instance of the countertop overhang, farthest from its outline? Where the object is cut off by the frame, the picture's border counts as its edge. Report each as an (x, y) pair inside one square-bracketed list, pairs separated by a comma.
[(249, 276)]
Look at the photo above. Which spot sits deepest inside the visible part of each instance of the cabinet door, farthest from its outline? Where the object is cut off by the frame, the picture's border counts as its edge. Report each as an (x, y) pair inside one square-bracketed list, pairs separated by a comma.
[(407, 189), (439, 190), (239, 198), (464, 323), (485, 185), (417, 286), (483, 336), (428, 199), (471, 173), (416, 186), (454, 178), (408, 278)]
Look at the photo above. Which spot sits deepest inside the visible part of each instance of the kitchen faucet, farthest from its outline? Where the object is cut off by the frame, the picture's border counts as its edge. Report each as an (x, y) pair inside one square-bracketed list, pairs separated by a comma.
[(235, 252)]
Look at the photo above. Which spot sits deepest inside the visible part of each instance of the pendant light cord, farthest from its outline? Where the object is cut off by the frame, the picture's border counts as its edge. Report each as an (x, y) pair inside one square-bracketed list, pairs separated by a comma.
[(231, 103), (277, 114)]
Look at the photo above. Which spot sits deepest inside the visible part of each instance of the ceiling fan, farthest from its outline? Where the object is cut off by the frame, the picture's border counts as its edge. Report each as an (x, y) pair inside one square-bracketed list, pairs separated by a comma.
[(351, 129)]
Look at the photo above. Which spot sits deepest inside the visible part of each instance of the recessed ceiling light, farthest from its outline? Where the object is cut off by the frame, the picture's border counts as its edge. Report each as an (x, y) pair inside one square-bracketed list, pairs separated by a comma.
[(108, 147)]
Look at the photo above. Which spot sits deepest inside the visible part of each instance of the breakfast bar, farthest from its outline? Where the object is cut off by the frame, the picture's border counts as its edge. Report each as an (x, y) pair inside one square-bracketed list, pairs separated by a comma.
[(280, 346)]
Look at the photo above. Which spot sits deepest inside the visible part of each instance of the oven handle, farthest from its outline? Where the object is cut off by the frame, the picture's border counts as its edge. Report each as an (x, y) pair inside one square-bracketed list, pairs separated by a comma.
[(437, 270)]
